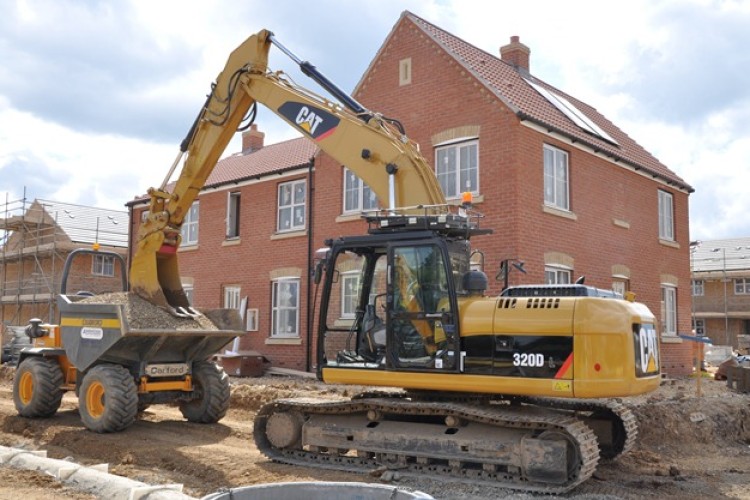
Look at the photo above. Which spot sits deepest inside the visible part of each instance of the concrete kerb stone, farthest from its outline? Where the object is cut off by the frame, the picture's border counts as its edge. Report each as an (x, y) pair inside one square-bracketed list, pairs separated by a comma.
[(90, 479)]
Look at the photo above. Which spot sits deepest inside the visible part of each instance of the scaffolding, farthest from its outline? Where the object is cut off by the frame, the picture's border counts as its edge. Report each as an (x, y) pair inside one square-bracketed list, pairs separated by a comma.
[(34, 243)]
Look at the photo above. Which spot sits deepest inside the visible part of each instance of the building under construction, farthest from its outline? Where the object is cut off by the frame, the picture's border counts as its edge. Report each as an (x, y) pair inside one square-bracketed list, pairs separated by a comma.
[(35, 239)]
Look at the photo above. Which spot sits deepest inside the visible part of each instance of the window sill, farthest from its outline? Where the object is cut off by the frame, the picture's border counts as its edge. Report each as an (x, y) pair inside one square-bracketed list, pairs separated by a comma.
[(669, 243), (231, 242), (621, 223), (348, 217), (347, 322), (289, 234), (188, 248), (565, 214), (283, 341), (670, 339), (475, 199)]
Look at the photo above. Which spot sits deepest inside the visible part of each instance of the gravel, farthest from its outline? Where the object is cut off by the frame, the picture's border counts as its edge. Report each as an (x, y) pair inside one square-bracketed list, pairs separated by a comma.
[(143, 315)]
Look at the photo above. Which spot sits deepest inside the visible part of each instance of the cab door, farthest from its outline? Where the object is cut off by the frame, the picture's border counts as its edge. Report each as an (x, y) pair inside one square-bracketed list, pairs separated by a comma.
[(422, 326)]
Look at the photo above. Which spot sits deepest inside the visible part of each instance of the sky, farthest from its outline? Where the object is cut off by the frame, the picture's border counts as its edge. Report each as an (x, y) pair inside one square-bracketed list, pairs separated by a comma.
[(95, 96)]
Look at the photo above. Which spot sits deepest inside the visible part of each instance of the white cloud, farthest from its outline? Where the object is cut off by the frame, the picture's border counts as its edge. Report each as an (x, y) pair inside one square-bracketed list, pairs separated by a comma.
[(99, 95)]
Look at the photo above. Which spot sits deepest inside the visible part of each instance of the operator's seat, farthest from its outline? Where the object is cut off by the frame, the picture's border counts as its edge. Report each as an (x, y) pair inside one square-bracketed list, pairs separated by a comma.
[(373, 329)]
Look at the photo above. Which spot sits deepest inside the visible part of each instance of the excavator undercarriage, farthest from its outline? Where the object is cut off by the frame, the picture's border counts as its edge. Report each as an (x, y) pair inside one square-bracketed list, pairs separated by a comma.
[(541, 445)]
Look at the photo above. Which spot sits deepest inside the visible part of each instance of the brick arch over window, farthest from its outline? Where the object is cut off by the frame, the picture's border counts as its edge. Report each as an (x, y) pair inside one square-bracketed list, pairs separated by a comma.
[(559, 259), (669, 279), (621, 272), (451, 134), (285, 272)]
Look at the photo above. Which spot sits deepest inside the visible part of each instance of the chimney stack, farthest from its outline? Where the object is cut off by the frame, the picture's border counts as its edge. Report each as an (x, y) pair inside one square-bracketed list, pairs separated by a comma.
[(516, 54), (252, 140)]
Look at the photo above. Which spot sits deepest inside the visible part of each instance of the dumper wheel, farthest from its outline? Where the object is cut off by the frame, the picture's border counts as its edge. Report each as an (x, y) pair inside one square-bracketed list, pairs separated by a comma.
[(37, 386), (212, 387), (108, 399)]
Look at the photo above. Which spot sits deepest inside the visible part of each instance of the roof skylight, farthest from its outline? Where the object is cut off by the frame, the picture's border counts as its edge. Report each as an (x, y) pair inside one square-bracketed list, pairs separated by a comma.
[(568, 109)]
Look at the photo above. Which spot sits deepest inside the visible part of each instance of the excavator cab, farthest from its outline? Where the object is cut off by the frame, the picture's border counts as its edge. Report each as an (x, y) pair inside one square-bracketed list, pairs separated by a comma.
[(390, 301)]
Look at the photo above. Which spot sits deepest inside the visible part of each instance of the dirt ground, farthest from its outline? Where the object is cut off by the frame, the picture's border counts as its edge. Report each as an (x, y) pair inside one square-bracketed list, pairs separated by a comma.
[(688, 447)]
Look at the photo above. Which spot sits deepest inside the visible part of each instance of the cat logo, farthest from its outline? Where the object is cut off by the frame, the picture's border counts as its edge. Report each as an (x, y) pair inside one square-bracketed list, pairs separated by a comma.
[(308, 120), (314, 122), (646, 350)]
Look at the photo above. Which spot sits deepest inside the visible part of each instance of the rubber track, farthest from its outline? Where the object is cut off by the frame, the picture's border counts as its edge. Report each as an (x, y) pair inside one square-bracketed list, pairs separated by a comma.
[(503, 416), (614, 411)]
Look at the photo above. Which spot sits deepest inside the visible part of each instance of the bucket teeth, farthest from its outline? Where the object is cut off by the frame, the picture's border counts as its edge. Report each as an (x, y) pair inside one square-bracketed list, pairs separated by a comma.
[(184, 312)]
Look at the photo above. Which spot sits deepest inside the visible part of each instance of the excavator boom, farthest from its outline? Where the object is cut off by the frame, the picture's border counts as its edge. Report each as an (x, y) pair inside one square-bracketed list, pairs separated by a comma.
[(367, 143)]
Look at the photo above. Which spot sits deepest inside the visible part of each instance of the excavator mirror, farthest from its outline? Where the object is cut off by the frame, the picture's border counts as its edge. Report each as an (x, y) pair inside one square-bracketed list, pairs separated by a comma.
[(321, 257), (318, 271)]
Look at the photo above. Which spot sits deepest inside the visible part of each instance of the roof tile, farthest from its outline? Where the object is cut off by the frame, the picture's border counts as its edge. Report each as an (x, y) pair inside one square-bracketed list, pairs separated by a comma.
[(509, 85)]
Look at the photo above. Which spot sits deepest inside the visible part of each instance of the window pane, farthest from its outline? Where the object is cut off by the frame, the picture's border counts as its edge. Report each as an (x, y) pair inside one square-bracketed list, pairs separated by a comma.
[(299, 216), (446, 171), (285, 218), (299, 192), (370, 201), (468, 180), (285, 194), (351, 191)]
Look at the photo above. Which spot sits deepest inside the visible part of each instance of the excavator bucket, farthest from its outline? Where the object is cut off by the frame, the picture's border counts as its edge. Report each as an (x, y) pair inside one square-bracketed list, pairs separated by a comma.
[(155, 275)]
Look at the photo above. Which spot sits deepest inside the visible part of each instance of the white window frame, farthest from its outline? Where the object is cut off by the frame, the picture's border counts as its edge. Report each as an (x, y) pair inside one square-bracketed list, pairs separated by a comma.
[(698, 287), (666, 216), (277, 309), (462, 149), (189, 227), (700, 327), (669, 310), (620, 286), (557, 275), (362, 197), (189, 292), (233, 215), (232, 297), (251, 320), (291, 204), (556, 178), (349, 294), (103, 265), (742, 286)]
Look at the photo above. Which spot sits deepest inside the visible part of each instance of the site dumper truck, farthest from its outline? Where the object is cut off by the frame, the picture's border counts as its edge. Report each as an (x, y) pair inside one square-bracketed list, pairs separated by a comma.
[(120, 353)]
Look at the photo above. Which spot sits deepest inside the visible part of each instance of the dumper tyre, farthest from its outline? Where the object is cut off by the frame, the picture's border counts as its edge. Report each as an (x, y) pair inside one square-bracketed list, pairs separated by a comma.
[(37, 387), (211, 384), (108, 399)]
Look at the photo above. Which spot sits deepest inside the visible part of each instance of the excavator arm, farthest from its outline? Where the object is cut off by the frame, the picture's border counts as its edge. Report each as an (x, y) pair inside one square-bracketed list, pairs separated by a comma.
[(373, 147)]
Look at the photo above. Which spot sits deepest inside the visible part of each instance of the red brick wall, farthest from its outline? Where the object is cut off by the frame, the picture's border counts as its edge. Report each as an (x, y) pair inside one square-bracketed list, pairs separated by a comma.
[(443, 96), (248, 262)]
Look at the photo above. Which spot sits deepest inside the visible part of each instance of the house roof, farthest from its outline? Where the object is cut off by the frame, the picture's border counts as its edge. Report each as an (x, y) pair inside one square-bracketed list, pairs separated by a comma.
[(83, 224), (272, 159), (721, 255), (510, 86)]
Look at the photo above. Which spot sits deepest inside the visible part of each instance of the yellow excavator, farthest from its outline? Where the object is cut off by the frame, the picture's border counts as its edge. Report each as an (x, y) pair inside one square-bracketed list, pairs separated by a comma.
[(512, 389)]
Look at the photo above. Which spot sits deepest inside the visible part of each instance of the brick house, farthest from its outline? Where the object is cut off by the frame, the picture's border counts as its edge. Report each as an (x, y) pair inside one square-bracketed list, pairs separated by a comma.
[(721, 291), (564, 189), (35, 239)]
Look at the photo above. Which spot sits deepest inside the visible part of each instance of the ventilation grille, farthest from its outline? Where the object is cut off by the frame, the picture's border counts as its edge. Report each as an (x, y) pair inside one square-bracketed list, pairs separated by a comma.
[(505, 303), (543, 303)]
